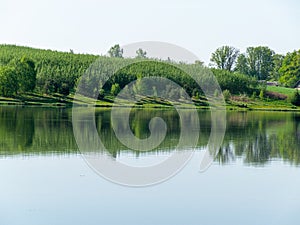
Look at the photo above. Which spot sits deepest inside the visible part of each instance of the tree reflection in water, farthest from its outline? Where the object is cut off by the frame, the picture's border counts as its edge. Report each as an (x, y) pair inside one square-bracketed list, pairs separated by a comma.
[(255, 137)]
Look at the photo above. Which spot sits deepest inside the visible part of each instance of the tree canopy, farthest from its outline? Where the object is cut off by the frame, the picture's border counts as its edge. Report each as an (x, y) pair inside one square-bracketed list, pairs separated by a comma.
[(116, 51), (290, 69), (224, 57), (8, 81), (260, 61), (24, 69), (141, 54), (18, 75)]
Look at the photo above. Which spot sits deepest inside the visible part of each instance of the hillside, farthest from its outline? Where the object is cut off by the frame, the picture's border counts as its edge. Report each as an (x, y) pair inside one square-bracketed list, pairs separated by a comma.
[(59, 73)]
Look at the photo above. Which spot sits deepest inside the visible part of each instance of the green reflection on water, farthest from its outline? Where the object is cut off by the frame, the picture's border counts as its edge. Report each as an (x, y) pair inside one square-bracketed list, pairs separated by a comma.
[(256, 137)]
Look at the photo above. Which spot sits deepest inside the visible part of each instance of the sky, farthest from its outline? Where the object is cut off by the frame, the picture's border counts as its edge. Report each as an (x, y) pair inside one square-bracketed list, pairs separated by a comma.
[(93, 26)]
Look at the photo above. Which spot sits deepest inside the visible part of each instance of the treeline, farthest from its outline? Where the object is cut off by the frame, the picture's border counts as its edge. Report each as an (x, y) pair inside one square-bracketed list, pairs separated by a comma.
[(259, 62), (55, 72), (61, 72), (24, 69)]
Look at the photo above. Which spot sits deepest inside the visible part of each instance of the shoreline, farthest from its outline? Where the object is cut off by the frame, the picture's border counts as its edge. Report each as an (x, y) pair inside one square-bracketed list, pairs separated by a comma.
[(229, 107), (69, 101)]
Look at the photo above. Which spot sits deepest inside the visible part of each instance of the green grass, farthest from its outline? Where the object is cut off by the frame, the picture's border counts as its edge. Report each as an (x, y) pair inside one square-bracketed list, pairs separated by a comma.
[(281, 90), (236, 102)]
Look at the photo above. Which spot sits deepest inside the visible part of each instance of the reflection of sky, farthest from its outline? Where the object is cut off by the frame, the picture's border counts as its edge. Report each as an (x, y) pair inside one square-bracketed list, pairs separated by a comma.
[(142, 159), (58, 190)]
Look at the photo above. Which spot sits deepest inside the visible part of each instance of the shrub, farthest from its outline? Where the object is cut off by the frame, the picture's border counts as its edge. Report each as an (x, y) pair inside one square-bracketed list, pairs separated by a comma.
[(216, 93), (101, 94), (236, 83), (8, 81), (262, 93), (195, 92), (295, 98), (227, 95), (115, 89)]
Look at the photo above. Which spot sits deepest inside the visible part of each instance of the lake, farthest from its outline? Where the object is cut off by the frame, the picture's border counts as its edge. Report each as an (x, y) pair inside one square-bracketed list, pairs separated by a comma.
[(254, 179)]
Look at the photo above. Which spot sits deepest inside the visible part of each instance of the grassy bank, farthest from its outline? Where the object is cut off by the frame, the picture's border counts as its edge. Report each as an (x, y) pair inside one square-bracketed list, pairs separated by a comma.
[(236, 102)]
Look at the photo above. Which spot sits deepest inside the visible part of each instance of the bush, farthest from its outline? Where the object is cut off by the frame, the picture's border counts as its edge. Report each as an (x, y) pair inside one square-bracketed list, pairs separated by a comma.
[(236, 83), (101, 94), (195, 92), (115, 89), (8, 81), (216, 93), (295, 98), (262, 93), (227, 95), (253, 96), (64, 89)]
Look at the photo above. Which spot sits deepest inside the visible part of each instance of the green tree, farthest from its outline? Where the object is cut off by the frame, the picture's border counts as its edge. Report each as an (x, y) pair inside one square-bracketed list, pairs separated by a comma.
[(116, 51), (277, 64), (227, 95), (8, 81), (295, 98), (242, 65), (260, 62), (234, 82), (290, 69), (224, 57), (26, 74), (141, 54), (199, 62), (115, 89)]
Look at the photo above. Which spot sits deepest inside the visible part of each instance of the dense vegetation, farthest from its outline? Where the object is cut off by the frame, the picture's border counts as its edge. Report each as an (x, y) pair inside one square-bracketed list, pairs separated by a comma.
[(56, 72), (24, 69), (260, 62), (18, 75)]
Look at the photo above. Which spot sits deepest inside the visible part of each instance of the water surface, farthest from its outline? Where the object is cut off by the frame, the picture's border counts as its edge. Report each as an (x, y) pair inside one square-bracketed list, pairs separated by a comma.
[(255, 178)]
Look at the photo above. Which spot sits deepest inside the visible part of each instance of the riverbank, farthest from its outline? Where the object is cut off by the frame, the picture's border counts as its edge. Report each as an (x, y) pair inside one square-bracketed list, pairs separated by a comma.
[(238, 103)]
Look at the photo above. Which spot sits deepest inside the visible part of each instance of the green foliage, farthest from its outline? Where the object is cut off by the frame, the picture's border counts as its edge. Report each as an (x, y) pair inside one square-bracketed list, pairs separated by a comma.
[(234, 82), (242, 65), (56, 72), (254, 94), (290, 69), (295, 98), (101, 94), (115, 89), (137, 71), (8, 81), (25, 72), (224, 57), (48, 71), (18, 75), (277, 64), (141, 54), (262, 93), (227, 95), (216, 93), (195, 93), (199, 62), (258, 62), (116, 51)]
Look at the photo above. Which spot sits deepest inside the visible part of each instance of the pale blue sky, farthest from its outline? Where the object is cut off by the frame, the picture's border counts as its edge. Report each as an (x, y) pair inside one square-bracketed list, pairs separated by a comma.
[(92, 26)]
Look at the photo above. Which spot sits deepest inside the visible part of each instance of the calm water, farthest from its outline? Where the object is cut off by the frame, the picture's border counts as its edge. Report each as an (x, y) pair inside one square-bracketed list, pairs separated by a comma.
[(255, 178)]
